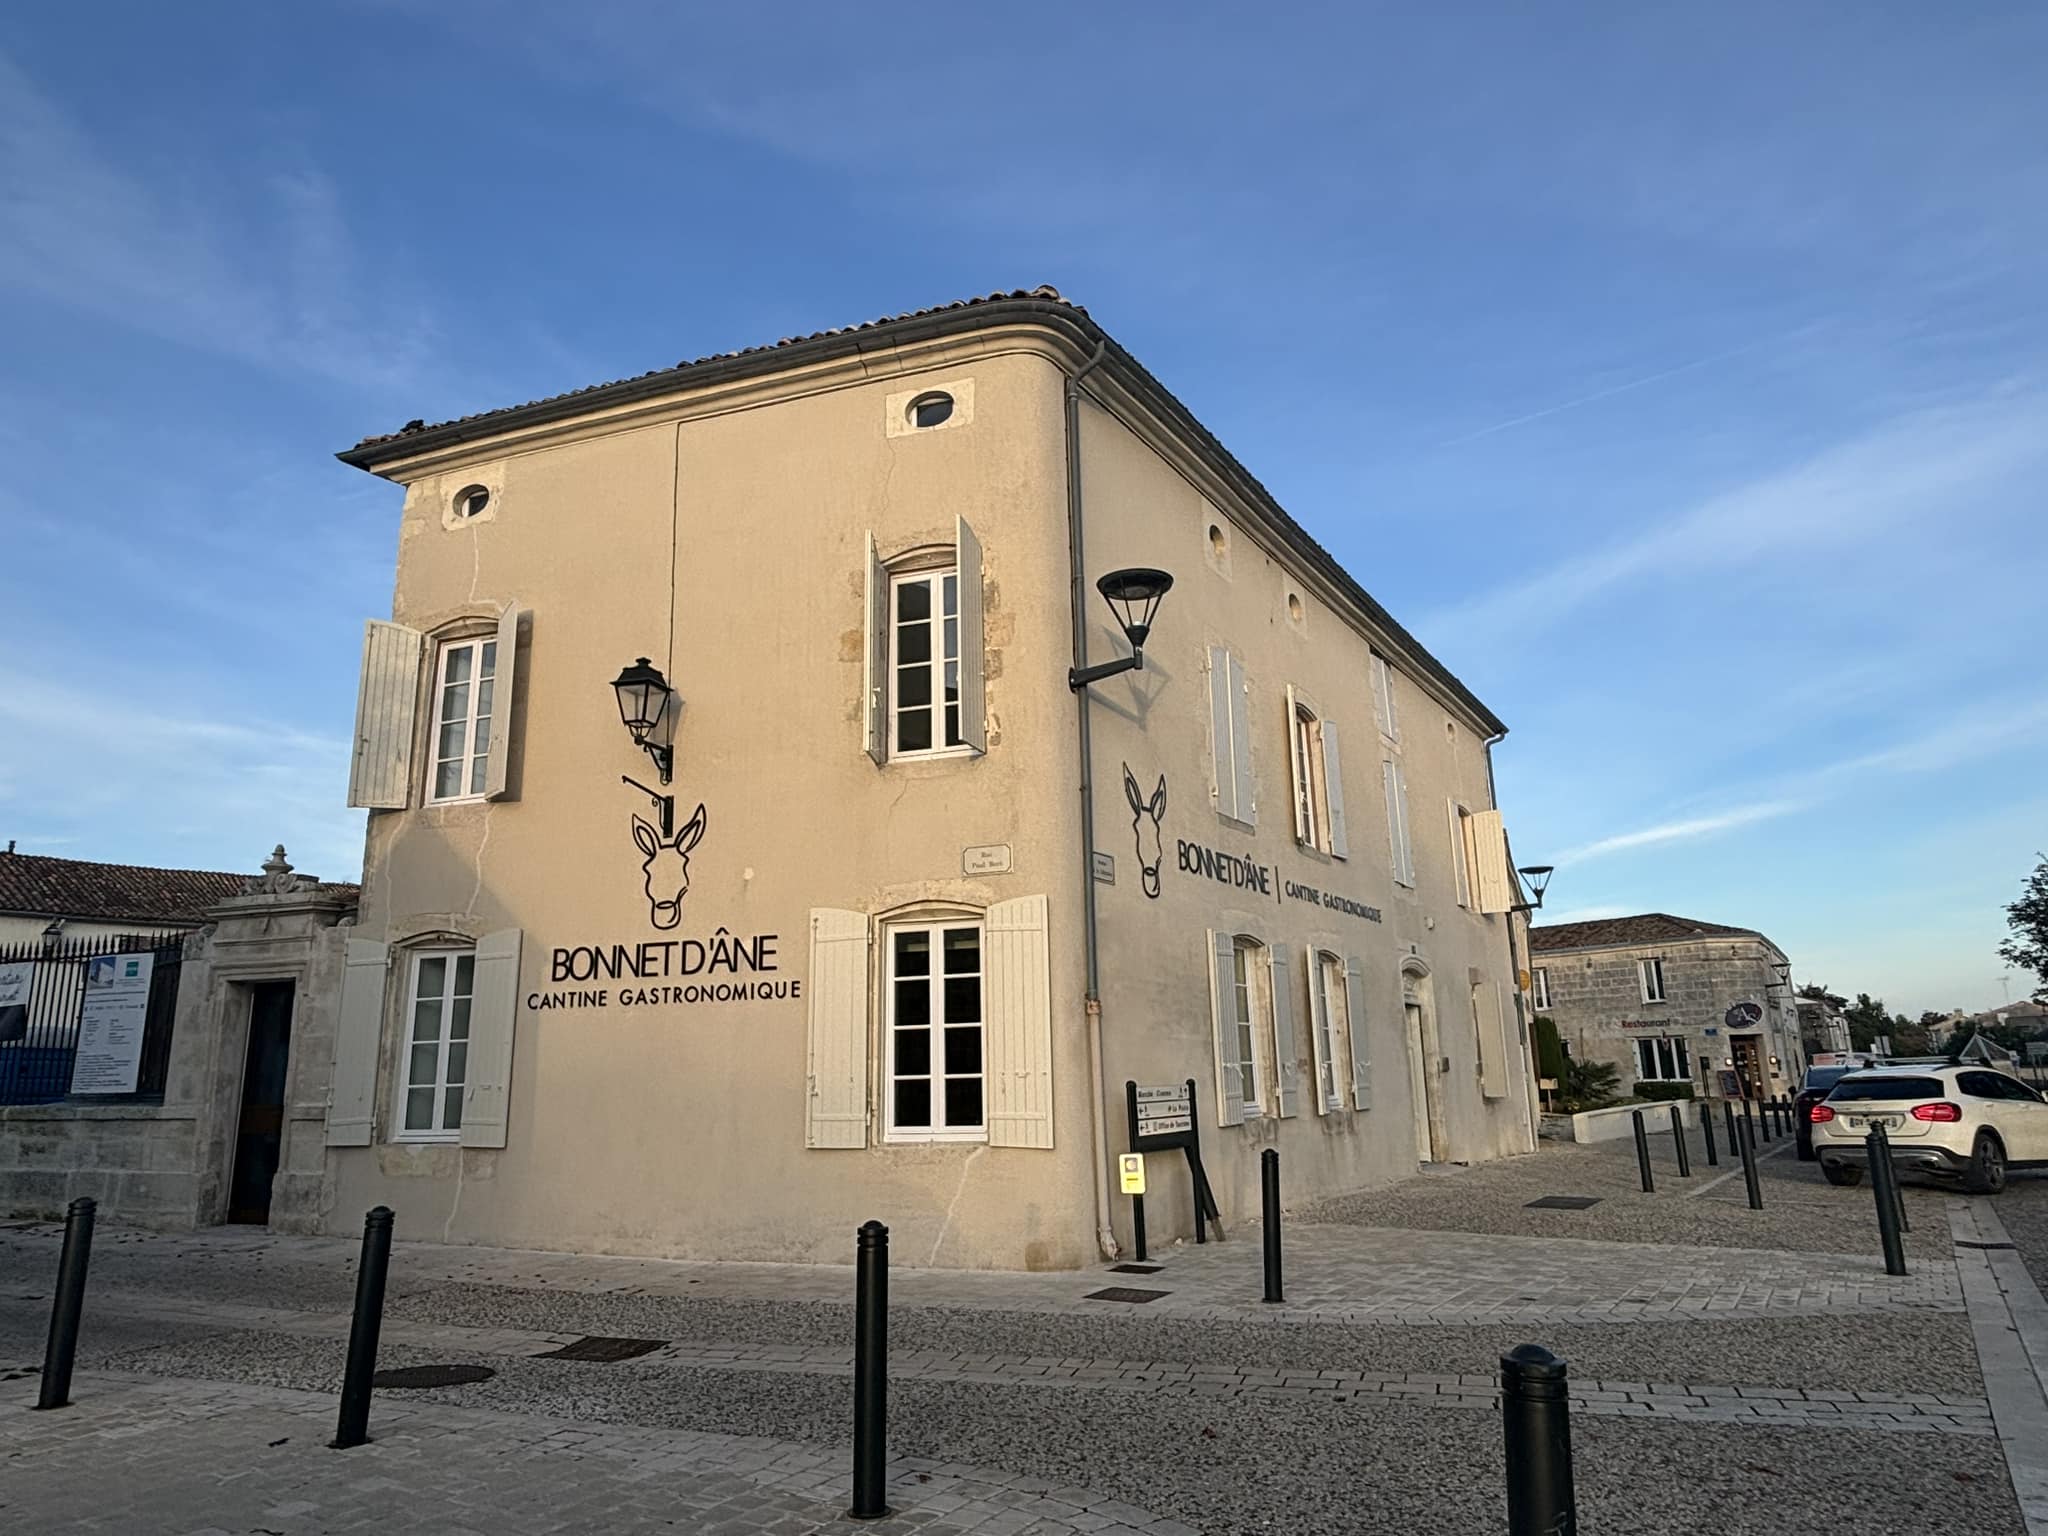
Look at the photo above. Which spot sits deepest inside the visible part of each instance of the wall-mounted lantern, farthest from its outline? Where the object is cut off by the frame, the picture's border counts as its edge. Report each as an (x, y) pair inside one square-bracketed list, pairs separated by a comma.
[(648, 706), (1133, 596), (1538, 876)]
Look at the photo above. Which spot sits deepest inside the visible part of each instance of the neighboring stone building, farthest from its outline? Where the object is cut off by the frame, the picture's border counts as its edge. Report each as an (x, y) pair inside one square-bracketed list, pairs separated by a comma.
[(1668, 999), (1822, 1025), (863, 957)]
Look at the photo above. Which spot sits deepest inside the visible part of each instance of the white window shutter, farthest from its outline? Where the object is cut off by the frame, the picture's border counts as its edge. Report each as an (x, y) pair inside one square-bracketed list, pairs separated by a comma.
[(380, 776), (506, 673), (1317, 1025), (493, 1022), (1361, 1041), (1407, 876), (875, 665), (1018, 1023), (1493, 1051), (1460, 876), (358, 1030), (1241, 744), (1492, 882), (973, 643), (1223, 783), (1383, 698), (1397, 821), (1223, 1027), (1333, 791), (836, 1101), (1286, 1064), (1303, 832)]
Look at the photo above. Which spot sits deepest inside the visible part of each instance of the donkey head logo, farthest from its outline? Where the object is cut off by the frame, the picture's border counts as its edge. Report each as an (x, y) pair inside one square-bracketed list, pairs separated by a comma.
[(1143, 810), (667, 867)]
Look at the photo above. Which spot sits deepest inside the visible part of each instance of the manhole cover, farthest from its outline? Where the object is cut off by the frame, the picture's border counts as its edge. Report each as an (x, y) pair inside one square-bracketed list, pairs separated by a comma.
[(432, 1376), (1125, 1293), (601, 1347), (1135, 1269), (1562, 1203)]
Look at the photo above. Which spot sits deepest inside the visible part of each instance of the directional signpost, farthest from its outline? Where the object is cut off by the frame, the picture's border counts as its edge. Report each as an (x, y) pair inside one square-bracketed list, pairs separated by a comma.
[(1162, 1119)]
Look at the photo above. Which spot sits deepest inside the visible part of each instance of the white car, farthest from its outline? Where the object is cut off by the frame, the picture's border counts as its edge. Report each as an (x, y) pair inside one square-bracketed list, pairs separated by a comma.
[(1965, 1122)]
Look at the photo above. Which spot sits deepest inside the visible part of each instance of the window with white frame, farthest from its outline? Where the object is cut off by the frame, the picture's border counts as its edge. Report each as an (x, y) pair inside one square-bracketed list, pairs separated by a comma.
[(1663, 1059), (935, 1032), (439, 994), (925, 633), (1245, 965), (1383, 697), (464, 677), (1652, 974), (1541, 987), (1332, 1023), (1318, 787)]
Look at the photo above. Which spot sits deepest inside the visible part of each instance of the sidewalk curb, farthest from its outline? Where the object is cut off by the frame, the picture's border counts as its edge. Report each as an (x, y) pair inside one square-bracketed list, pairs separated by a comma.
[(2009, 1319)]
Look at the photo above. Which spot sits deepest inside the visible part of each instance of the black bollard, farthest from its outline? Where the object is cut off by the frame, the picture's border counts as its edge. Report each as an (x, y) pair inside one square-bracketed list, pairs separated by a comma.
[(1269, 1194), (69, 1304), (1678, 1141), (1898, 1186), (1884, 1189), (1728, 1117), (1535, 1409), (1757, 1119), (1749, 1178), (1643, 1154), (353, 1426), (1707, 1130), (871, 1374)]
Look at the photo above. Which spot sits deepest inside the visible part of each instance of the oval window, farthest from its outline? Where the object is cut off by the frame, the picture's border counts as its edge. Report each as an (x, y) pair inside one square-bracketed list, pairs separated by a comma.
[(1217, 544), (471, 500), (931, 410), (1294, 607)]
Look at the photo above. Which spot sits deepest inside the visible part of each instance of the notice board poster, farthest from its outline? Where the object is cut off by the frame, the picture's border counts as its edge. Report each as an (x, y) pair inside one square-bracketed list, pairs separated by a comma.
[(110, 1024), (16, 976)]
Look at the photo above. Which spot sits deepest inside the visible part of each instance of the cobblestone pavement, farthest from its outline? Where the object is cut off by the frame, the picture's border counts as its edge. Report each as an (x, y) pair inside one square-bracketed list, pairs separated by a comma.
[(204, 1458)]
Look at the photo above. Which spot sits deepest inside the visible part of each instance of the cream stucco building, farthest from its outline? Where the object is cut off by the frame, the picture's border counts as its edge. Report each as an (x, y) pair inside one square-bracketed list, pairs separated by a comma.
[(870, 963)]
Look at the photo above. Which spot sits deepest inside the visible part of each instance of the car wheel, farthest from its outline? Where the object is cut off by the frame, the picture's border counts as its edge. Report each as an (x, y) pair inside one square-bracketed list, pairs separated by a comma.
[(1841, 1175), (1986, 1175)]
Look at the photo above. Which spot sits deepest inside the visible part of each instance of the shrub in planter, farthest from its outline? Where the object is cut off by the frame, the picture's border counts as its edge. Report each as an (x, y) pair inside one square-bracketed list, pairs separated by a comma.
[(1657, 1093), (1589, 1085), (1549, 1049)]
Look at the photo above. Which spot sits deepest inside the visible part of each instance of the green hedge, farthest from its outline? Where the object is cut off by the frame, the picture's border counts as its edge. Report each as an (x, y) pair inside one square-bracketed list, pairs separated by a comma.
[(1659, 1092), (1549, 1050)]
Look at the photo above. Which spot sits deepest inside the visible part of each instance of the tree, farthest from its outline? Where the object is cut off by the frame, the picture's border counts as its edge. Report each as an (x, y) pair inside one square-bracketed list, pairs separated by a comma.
[(2028, 919), (1867, 1020)]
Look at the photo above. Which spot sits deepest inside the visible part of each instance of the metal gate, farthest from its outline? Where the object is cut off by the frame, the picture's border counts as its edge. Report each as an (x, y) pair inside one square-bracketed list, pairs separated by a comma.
[(39, 1035)]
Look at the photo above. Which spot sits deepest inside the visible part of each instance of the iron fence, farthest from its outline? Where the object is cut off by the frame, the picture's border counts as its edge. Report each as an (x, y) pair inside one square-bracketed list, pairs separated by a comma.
[(39, 1036)]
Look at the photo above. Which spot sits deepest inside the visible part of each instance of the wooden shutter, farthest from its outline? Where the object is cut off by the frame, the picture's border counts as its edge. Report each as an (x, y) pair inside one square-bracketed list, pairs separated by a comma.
[(1460, 873), (1318, 1023), (1222, 753), (1493, 1049), (1223, 1027), (358, 1029), (973, 692), (1017, 1023), (1333, 791), (1241, 744), (875, 665), (501, 705), (1304, 832), (1493, 884), (380, 776), (1361, 1041), (1383, 697), (836, 1093), (1286, 1064), (1407, 876), (1396, 789), (493, 1022)]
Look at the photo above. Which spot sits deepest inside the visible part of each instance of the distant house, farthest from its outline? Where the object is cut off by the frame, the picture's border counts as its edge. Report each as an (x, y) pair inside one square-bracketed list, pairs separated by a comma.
[(45, 899)]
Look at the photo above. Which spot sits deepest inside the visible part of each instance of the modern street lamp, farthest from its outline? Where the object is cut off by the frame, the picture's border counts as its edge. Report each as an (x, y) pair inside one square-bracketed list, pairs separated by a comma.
[(648, 707), (1133, 596), (1538, 876)]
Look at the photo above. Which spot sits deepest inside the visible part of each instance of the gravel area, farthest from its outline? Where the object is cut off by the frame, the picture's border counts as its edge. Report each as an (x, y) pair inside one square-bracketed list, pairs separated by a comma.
[(1878, 1351), (251, 1274), (2022, 1208), (1802, 1213), (1286, 1464)]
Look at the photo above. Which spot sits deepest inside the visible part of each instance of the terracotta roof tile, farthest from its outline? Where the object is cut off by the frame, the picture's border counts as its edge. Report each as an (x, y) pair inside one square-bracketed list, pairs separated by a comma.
[(1644, 928), (38, 885)]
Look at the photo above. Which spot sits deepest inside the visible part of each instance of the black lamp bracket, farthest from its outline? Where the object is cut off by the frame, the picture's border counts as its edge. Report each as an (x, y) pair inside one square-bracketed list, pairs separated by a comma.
[(1080, 677), (666, 804)]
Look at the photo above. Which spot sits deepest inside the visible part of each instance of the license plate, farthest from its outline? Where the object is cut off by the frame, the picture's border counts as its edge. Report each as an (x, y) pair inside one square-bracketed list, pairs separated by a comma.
[(1861, 1122)]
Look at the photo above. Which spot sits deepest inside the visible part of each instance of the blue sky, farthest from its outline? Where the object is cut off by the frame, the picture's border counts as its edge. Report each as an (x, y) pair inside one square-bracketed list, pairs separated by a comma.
[(1677, 373)]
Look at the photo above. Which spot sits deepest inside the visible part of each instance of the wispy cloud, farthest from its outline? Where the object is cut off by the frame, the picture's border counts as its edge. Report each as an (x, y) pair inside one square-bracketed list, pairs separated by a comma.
[(1688, 830), (280, 288)]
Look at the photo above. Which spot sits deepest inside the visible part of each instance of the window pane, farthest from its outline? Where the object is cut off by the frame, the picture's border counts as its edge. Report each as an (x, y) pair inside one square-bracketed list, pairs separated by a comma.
[(913, 644), (914, 953), (953, 736), (490, 665), (914, 730), (458, 1019), (458, 1062), (426, 1020), (963, 999), (1646, 1062), (952, 650), (963, 1049), (913, 687), (963, 950), (419, 1109), (952, 594), (448, 779), (952, 682), (451, 1112), (963, 1101), (426, 1060), (913, 1001), (459, 657), (483, 696), (479, 766), (913, 1052), (433, 976), (914, 600), (913, 1104), (465, 972), (453, 738)]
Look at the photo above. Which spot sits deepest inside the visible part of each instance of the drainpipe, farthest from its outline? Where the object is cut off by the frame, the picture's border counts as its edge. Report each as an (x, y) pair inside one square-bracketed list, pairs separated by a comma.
[(1105, 1234)]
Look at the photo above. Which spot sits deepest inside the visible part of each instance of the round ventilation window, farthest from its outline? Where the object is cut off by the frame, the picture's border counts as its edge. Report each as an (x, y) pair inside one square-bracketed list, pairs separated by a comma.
[(1217, 546), (932, 410), (471, 500), (1294, 607)]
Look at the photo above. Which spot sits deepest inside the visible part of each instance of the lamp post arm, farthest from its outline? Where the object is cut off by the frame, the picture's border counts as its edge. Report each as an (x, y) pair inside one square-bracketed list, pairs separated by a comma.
[(1080, 677), (666, 804)]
